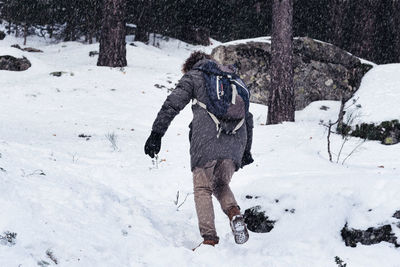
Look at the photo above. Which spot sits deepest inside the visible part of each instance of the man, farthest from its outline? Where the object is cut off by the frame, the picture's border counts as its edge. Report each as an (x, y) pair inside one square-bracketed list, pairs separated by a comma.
[(215, 153)]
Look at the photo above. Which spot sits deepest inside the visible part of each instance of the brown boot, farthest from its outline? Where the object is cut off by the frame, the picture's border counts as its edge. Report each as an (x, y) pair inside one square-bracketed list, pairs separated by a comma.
[(210, 242), (232, 212)]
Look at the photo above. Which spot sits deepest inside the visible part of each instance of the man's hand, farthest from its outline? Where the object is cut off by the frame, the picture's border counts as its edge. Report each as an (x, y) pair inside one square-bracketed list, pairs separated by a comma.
[(247, 158), (153, 144)]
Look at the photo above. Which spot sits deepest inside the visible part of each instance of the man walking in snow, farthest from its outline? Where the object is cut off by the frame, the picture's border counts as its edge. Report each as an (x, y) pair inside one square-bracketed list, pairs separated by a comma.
[(220, 137)]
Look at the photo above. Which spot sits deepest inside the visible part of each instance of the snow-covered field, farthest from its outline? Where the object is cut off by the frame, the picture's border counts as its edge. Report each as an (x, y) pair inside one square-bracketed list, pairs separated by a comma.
[(82, 202)]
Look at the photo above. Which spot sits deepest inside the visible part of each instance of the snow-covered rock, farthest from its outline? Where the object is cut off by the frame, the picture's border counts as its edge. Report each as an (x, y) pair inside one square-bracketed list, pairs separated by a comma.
[(14, 64), (321, 71), (373, 112)]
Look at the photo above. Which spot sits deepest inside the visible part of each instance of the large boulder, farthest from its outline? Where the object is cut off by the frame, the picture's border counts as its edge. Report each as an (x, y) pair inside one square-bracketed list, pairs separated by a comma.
[(2, 35), (321, 71), (14, 64)]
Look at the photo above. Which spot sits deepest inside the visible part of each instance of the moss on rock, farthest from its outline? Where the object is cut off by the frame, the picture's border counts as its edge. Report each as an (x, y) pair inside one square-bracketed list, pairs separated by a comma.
[(388, 132)]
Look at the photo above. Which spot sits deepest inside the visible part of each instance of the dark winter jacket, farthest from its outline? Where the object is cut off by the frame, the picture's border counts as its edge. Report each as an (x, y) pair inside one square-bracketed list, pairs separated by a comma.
[(204, 144)]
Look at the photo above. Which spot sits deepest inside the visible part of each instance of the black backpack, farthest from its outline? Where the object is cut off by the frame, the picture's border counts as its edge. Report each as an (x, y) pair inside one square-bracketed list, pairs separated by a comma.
[(228, 98)]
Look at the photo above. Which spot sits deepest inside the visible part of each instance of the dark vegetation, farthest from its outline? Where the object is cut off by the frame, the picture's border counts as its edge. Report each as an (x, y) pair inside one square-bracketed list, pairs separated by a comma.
[(372, 235), (8, 238), (387, 132), (257, 221), (368, 29)]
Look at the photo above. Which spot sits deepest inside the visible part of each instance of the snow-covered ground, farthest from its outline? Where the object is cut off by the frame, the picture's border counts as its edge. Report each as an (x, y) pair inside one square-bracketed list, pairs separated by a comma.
[(85, 203)]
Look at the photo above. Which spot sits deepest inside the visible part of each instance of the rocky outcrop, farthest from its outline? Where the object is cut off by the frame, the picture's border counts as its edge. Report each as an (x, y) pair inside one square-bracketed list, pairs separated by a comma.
[(321, 71), (14, 64), (370, 236), (2, 35), (27, 49)]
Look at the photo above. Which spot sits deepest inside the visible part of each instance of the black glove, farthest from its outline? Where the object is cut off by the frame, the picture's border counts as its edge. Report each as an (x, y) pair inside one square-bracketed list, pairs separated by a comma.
[(247, 158), (153, 144)]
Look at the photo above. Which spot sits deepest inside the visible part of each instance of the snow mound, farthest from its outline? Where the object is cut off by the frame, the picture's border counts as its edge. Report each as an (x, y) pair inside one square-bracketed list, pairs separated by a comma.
[(378, 97)]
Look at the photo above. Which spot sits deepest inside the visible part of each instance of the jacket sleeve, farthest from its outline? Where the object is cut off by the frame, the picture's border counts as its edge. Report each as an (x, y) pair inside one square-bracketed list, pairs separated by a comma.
[(174, 103), (249, 128)]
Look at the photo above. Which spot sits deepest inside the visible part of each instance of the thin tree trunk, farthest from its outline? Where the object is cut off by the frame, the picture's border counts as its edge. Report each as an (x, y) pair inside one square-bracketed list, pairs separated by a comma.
[(9, 28), (396, 17), (112, 40), (336, 13), (281, 105), (90, 36), (141, 34), (25, 32)]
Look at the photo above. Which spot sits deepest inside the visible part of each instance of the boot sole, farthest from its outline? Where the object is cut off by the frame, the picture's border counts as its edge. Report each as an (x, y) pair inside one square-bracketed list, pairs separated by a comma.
[(239, 230)]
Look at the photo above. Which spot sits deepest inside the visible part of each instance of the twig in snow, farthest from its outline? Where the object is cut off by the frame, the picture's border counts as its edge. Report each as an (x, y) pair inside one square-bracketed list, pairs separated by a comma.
[(74, 157), (350, 119), (177, 198), (329, 139), (354, 150), (193, 249), (35, 172), (112, 137), (51, 256), (340, 262), (183, 202)]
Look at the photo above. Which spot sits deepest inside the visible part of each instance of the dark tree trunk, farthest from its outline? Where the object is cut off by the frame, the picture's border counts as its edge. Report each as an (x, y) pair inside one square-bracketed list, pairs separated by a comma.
[(396, 23), (112, 40), (16, 30), (141, 34), (336, 14), (25, 32), (9, 28), (281, 106), (363, 29)]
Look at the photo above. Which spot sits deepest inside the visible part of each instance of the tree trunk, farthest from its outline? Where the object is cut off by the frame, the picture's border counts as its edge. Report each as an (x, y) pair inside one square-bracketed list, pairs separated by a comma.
[(141, 34), (396, 17), (336, 14), (9, 28), (112, 40), (281, 105), (25, 32)]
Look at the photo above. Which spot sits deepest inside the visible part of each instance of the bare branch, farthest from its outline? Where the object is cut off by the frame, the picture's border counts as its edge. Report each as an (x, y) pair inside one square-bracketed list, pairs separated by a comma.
[(354, 150), (188, 194), (177, 198)]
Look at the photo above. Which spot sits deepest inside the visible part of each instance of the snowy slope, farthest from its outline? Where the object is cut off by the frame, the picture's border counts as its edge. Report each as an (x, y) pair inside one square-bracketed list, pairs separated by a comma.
[(88, 204)]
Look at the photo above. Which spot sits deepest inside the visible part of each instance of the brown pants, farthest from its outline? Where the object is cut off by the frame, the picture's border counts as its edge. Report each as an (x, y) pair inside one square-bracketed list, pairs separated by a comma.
[(214, 179)]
